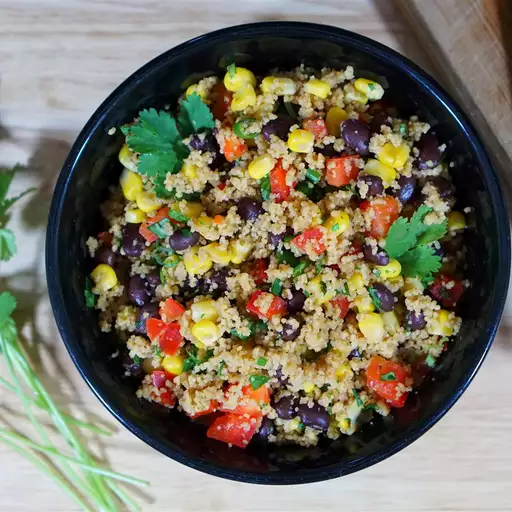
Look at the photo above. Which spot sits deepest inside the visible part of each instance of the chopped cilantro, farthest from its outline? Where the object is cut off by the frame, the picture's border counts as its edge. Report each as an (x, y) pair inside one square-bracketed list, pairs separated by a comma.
[(371, 86), (261, 361), (160, 253), (157, 351), (178, 216), (430, 361), (231, 69), (287, 257), (376, 271), (323, 287), (288, 238), (277, 287), (306, 188), (299, 269), (390, 376), (265, 188), (195, 116), (369, 407), (301, 426), (344, 290), (136, 359), (313, 176), (244, 337), (256, 381), (160, 228), (375, 298), (90, 298), (403, 129), (319, 267), (359, 402), (222, 365), (193, 358), (336, 227), (261, 325)]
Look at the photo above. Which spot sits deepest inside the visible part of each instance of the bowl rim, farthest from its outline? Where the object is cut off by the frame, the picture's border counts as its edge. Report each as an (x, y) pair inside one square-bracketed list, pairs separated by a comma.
[(281, 28)]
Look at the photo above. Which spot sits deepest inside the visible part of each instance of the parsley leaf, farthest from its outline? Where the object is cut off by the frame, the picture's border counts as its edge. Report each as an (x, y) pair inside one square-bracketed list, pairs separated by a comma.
[(420, 261), (256, 381), (231, 70), (90, 298), (432, 233), (7, 306), (195, 116), (7, 244), (265, 188)]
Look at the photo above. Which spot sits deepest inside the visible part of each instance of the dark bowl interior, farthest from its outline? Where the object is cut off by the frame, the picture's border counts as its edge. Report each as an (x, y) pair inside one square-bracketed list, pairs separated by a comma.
[(92, 165)]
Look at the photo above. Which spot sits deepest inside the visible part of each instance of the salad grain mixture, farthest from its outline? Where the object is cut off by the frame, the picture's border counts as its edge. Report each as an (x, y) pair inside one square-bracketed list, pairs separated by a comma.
[(280, 255)]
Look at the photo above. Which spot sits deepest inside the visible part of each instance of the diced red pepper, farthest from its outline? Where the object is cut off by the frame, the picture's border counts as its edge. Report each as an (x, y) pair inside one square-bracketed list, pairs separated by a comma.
[(317, 127), (234, 429), (106, 237), (167, 398), (355, 249), (277, 305), (342, 303), (384, 377), (168, 336), (159, 378), (383, 211), (259, 271), (214, 405), (222, 185), (233, 148), (447, 290), (278, 185), (251, 401), (341, 170), (171, 310), (222, 101), (145, 232), (312, 238)]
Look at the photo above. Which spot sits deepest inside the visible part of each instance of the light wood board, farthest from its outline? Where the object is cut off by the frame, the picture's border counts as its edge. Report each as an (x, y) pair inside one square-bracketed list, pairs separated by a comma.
[(58, 60)]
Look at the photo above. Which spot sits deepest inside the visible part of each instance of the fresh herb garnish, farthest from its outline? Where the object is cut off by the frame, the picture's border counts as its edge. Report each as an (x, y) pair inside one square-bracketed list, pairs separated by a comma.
[(276, 287), (344, 290), (157, 352), (430, 361), (286, 256), (160, 253), (160, 228), (371, 86), (193, 358), (261, 361), (390, 376), (375, 298), (90, 298), (359, 402), (336, 227), (403, 128), (299, 269), (244, 337), (163, 279), (369, 407), (222, 365), (323, 287), (261, 326), (265, 188), (178, 216), (136, 359), (256, 381), (231, 69), (195, 116), (306, 188), (313, 176)]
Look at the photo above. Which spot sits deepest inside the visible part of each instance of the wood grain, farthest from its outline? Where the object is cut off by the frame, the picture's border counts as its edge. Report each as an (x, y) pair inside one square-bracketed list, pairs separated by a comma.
[(59, 60)]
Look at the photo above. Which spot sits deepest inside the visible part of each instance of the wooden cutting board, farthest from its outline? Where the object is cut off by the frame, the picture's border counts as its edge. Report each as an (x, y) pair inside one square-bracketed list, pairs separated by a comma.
[(469, 43)]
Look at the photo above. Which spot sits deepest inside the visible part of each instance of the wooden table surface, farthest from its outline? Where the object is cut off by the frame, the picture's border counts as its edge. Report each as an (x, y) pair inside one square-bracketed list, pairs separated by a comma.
[(58, 60)]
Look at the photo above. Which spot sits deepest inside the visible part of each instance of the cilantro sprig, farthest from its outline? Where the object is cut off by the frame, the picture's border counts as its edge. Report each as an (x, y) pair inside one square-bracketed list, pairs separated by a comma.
[(407, 241)]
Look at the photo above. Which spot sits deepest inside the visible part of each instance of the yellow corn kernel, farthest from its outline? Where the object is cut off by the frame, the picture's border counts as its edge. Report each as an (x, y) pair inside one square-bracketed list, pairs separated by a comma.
[(173, 364), (191, 209), (219, 254), (372, 89), (278, 85), (372, 326), (301, 141), (456, 221), (344, 371), (128, 158), (338, 223), (345, 425), (199, 345), (308, 387), (441, 323), (243, 98), (294, 424), (261, 166), (197, 261), (394, 156), (131, 184), (364, 304), (134, 216), (316, 288), (335, 116), (206, 332), (189, 171), (352, 95), (104, 277), (318, 88), (240, 249), (148, 202), (234, 81), (355, 282), (392, 269), (385, 172), (391, 322), (194, 89), (204, 310)]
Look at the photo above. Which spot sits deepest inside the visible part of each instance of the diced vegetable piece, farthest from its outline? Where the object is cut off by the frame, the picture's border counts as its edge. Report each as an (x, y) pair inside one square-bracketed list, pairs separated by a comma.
[(234, 429), (301, 141), (382, 211), (214, 405), (259, 271), (278, 184), (148, 235), (386, 378), (311, 238), (222, 101), (171, 310), (104, 277), (342, 303), (168, 336), (447, 291), (316, 126), (251, 400), (340, 171), (173, 364), (159, 378), (277, 306), (233, 148)]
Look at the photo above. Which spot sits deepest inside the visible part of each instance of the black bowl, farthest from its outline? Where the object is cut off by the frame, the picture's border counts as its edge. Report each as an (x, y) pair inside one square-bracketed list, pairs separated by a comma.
[(92, 165)]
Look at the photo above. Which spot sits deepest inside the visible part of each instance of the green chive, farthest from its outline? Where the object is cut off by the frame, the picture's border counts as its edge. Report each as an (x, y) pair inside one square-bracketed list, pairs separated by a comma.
[(277, 287), (222, 364), (178, 216), (160, 228), (256, 381), (359, 402), (313, 176), (261, 361), (299, 269)]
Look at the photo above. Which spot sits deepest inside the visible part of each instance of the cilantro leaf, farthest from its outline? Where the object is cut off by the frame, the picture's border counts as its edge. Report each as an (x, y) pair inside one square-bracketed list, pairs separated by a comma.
[(195, 116), (256, 381), (7, 244), (375, 298), (231, 69), (265, 188), (90, 298), (6, 178), (390, 376), (420, 261), (152, 164), (400, 238), (7, 306), (432, 233)]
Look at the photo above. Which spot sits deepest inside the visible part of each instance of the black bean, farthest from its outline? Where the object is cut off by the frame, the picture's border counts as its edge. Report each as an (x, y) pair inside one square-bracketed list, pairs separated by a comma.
[(296, 302), (130, 367), (406, 190), (357, 135), (204, 143), (328, 151), (429, 154), (354, 354), (149, 310), (375, 186), (384, 298), (379, 257), (283, 380), (315, 417), (290, 331), (133, 241), (105, 255), (137, 291), (278, 127), (275, 240), (153, 278), (438, 251), (443, 186), (414, 321), (267, 428), (188, 292), (285, 407), (379, 120), (454, 244), (249, 209), (216, 283), (183, 239)]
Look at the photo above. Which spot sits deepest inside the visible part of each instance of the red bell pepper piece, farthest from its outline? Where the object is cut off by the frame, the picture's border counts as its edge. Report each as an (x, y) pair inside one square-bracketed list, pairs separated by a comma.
[(233, 148), (311, 238), (342, 303), (145, 232), (277, 305), (106, 237), (383, 377), (251, 401), (383, 211), (341, 170), (278, 185), (168, 336), (259, 271), (214, 405), (447, 290), (159, 378), (317, 127), (222, 101), (234, 429), (171, 310)]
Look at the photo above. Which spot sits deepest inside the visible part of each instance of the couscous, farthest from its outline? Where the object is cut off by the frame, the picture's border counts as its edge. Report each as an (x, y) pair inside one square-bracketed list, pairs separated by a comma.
[(280, 254)]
